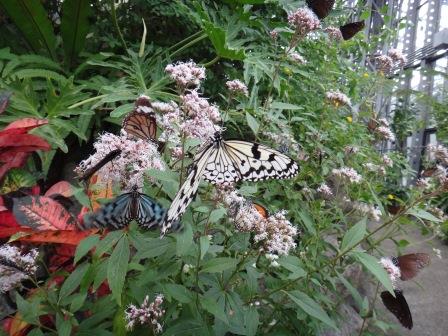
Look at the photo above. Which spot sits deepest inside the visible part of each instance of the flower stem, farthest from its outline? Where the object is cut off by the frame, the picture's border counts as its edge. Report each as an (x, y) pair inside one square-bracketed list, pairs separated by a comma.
[(115, 22)]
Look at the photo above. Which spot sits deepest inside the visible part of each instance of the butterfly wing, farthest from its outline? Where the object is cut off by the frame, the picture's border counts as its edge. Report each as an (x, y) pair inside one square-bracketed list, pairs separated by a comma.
[(116, 214), (351, 29), (398, 306), (321, 7), (411, 264), (149, 212), (188, 189), (261, 210), (141, 125), (255, 162)]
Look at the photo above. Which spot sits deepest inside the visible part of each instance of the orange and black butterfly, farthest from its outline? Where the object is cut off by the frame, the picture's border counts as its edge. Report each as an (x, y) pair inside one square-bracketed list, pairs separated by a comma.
[(141, 122), (261, 210), (351, 29), (321, 7)]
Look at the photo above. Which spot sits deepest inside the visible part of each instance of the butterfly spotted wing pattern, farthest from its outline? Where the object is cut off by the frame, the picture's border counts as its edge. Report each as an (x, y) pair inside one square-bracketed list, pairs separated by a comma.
[(321, 7), (141, 125), (351, 29), (411, 264), (126, 207), (226, 162), (398, 306)]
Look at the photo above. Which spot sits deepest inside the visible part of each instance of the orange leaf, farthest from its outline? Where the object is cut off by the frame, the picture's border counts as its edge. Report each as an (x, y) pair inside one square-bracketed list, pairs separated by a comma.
[(101, 189), (61, 188), (42, 213), (69, 237), (18, 326)]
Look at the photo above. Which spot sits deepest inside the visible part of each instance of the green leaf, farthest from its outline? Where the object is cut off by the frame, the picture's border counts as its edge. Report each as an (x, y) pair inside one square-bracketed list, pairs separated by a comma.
[(117, 268), (105, 244), (372, 264), (307, 221), (285, 106), (121, 110), (184, 240), (252, 122), (218, 37), (354, 235), (353, 291), (32, 20), (39, 73), (85, 246), (73, 280), (74, 27), (30, 311), (252, 320), (311, 307), (214, 308), (420, 213), (63, 326), (154, 248), (179, 293), (291, 263), (204, 243), (217, 214), (217, 265)]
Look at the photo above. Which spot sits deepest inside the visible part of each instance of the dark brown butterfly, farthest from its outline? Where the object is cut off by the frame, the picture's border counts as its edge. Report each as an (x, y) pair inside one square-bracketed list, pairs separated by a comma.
[(411, 264), (109, 157), (351, 29), (321, 7), (398, 306)]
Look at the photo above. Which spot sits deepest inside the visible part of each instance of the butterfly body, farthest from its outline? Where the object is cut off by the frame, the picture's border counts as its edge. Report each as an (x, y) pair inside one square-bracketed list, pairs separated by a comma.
[(226, 162), (126, 207)]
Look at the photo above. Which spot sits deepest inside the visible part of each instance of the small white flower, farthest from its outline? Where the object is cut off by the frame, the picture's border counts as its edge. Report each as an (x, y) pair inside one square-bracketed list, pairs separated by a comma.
[(348, 174), (187, 268), (304, 21), (237, 87), (325, 190), (186, 74), (438, 252), (297, 58), (391, 269)]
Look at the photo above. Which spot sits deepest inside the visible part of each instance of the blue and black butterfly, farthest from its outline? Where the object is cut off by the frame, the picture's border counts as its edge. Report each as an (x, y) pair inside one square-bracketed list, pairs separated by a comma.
[(125, 208)]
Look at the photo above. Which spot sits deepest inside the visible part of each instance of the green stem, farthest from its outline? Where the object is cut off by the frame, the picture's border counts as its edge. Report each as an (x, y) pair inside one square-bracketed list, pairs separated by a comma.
[(115, 22), (213, 61), (85, 101), (188, 45)]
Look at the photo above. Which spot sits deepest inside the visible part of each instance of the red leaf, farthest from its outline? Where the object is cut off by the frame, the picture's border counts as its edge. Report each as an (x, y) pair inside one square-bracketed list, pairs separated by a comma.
[(8, 232), (2, 208), (15, 161), (27, 140), (23, 125), (42, 213), (8, 220), (61, 188), (69, 237)]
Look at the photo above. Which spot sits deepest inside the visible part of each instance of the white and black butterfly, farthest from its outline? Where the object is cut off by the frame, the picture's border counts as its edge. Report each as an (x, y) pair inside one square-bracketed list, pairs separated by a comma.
[(228, 161), (126, 207)]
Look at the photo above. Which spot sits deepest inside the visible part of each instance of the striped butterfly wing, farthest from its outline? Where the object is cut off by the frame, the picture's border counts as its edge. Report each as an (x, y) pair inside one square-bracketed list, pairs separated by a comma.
[(248, 161), (351, 29), (114, 215), (149, 213), (141, 125), (321, 7), (398, 306)]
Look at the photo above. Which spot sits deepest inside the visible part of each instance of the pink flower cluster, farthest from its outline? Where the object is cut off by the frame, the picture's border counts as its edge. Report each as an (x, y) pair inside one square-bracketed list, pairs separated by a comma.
[(334, 33), (397, 56), (325, 190), (348, 174), (387, 161), (147, 314), (384, 63), (131, 166), (237, 87), (385, 133), (440, 153), (186, 74), (375, 168), (22, 266), (275, 233), (338, 98), (304, 21), (297, 58), (393, 271)]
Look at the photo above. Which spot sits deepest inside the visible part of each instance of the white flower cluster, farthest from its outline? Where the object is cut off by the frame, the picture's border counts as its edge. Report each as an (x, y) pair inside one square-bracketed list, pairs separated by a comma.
[(274, 232), (285, 142), (375, 168), (297, 58), (387, 161), (397, 56), (237, 87), (368, 210), (338, 98), (440, 153), (384, 63), (130, 167), (325, 190), (334, 33), (186, 74), (304, 21), (393, 271), (273, 34), (146, 314), (385, 133), (348, 174), (15, 266), (423, 183), (348, 150)]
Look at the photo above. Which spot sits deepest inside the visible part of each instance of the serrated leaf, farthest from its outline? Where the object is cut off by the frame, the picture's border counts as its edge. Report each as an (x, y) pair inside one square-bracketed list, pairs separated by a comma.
[(179, 293), (217, 265), (73, 281), (204, 243), (252, 122), (311, 307), (285, 106), (214, 308), (354, 235), (117, 268), (85, 246), (184, 240), (216, 215), (251, 320)]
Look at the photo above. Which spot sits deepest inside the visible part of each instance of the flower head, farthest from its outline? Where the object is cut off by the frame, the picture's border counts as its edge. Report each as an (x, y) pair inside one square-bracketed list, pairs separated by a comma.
[(304, 21), (334, 33), (348, 174), (325, 190), (337, 98), (387, 161), (186, 74), (130, 167), (147, 314), (423, 183), (391, 269), (384, 63), (237, 87), (385, 133), (397, 56), (349, 150), (440, 153), (273, 34), (15, 266), (297, 58)]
